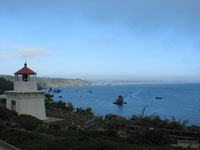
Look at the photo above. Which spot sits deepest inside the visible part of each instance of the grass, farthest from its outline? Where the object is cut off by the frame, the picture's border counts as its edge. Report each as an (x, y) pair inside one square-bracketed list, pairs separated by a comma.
[(72, 140)]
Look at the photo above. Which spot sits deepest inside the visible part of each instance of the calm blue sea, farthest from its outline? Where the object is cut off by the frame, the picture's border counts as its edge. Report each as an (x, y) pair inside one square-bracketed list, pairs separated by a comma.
[(179, 100)]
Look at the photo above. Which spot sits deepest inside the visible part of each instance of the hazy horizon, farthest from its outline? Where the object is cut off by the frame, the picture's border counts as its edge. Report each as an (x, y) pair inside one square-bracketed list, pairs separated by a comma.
[(102, 39), (125, 79)]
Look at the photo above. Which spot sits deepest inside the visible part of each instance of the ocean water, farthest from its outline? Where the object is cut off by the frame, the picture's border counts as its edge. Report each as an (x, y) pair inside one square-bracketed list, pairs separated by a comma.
[(179, 100)]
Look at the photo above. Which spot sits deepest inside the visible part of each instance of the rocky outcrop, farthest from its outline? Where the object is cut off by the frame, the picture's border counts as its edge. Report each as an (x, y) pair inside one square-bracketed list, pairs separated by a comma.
[(158, 98), (57, 90), (50, 90), (120, 101), (114, 117)]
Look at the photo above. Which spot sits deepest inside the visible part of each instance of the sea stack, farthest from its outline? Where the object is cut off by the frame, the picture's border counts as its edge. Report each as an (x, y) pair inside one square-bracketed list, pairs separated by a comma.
[(120, 101)]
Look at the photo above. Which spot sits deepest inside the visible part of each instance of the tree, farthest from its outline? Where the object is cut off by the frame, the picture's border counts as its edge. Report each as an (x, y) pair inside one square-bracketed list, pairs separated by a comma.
[(70, 107), (61, 104)]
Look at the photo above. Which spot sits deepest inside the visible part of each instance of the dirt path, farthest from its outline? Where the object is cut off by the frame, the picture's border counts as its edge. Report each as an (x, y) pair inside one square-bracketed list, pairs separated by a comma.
[(2, 148), (187, 144)]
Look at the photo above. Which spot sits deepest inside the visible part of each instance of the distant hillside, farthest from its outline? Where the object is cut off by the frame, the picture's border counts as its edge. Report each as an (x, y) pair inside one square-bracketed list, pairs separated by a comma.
[(53, 82), (6, 82)]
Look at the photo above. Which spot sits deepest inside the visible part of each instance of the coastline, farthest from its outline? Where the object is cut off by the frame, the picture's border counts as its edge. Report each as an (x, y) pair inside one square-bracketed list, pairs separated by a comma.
[(100, 97)]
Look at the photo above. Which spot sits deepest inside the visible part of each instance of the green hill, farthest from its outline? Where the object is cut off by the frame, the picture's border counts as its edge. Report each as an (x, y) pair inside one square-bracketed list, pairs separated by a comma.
[(6, 82), (53, 82)]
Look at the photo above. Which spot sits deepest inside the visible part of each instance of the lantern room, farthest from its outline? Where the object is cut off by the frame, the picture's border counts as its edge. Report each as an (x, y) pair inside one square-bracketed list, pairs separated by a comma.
[(25, 80), (25, 75)]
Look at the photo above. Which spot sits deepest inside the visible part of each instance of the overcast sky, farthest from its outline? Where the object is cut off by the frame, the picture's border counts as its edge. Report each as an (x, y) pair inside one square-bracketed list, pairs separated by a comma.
[(99, 39)]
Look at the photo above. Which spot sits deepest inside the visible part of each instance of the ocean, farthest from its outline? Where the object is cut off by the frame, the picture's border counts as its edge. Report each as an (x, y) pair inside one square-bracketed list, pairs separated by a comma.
[(179, 100)]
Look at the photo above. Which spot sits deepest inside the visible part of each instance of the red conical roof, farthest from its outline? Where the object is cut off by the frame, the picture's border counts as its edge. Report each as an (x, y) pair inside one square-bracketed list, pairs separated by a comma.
[(25, 70)]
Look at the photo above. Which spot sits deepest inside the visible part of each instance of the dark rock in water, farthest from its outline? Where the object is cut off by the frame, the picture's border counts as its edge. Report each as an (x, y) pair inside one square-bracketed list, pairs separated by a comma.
[(57, 91), (60, 97), (90, 91), (158, 98), (114, 117), (120, 101), (50, 90)]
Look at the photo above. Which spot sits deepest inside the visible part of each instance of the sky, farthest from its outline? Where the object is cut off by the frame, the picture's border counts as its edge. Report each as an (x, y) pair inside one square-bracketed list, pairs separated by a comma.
[(102, 39)]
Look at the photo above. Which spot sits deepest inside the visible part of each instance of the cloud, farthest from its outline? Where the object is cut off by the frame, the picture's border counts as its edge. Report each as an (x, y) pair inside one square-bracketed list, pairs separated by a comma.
[(31, 53)]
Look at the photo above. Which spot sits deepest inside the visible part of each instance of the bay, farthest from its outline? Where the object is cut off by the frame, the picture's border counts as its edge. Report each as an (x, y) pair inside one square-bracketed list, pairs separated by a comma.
[(179, 100)]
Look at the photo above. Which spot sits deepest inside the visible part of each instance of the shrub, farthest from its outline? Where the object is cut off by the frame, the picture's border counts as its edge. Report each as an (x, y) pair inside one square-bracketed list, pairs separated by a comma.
[(80, 110), (194, 128), (28, 122), (2, 124), (70, 107), (149, 138), (48, 99), (111, 127), (60, 104), (49, 96), (6, 114), (89, 110), (156, 122)]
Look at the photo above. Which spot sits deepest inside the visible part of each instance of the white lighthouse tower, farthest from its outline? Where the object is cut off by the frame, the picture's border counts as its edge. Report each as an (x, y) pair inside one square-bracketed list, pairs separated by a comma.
[(26, 99)]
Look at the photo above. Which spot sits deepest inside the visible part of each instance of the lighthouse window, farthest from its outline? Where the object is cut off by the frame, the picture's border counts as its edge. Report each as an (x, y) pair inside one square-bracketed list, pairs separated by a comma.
[(32, 78), (25, 77), (18, 78)]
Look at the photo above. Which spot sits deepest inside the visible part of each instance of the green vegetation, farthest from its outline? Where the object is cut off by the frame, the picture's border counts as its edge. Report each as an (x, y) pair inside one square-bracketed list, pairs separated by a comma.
[(156, 122), (73, 116), (6, 83), (70, 140), (49, 102), (6, 114), (54, 82), (44, 136), (81, 130), (28, 122)]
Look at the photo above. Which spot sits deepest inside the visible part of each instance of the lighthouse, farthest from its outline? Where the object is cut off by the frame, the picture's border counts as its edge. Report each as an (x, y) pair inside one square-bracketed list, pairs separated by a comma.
[(26, 99)]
